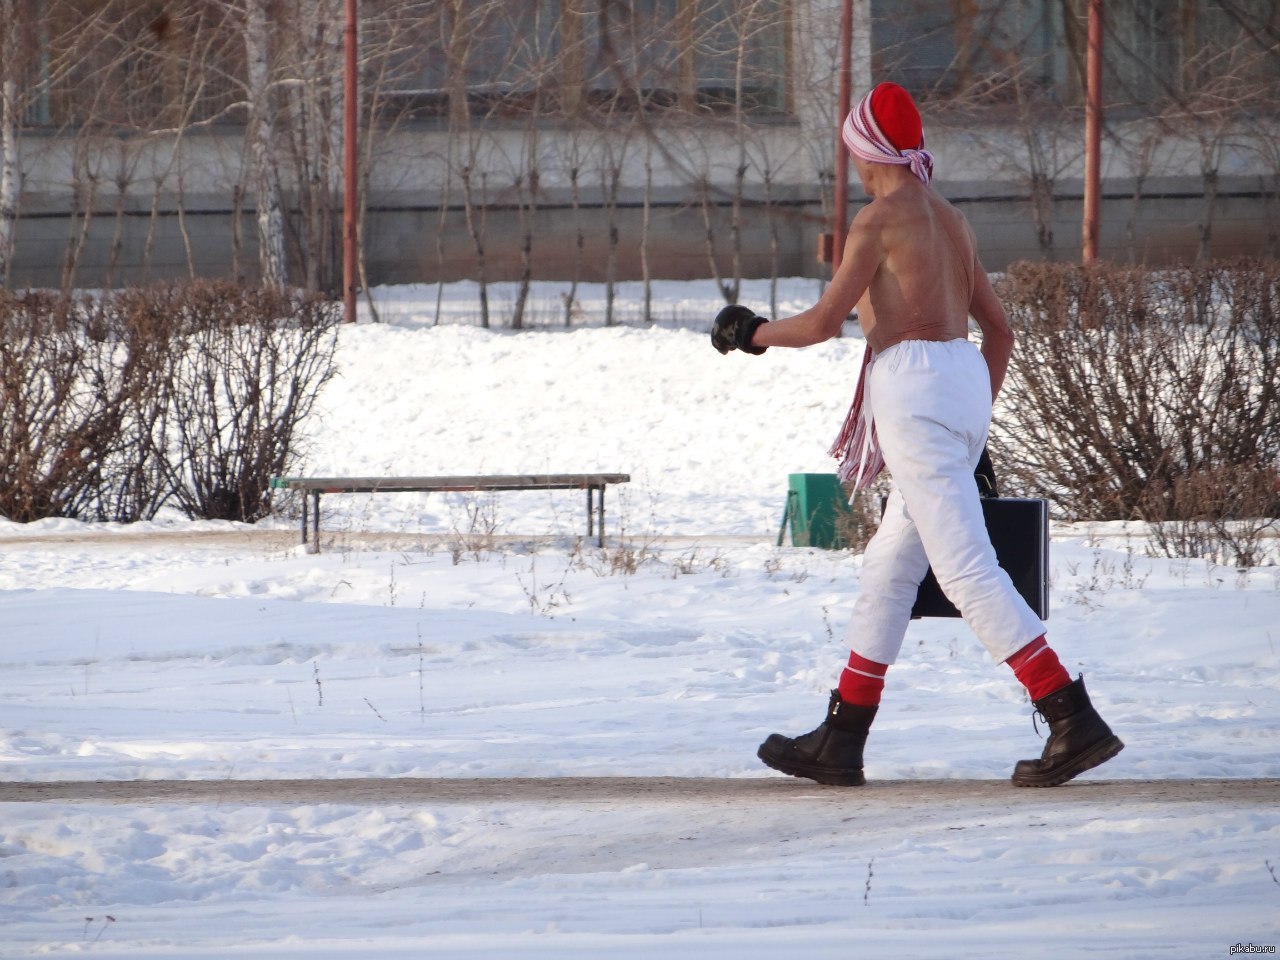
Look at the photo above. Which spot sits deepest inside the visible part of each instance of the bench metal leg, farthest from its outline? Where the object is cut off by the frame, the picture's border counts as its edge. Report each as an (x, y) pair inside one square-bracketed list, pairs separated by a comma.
[(315, 520), (600, 542), (595, 515)]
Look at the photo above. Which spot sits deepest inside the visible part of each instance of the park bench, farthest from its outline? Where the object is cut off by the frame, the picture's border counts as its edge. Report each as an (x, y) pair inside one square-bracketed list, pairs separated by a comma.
[(313, 487)]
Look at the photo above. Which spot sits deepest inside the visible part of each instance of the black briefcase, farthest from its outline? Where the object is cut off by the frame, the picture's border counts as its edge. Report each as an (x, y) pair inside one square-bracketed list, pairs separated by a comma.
[(1019, 530)]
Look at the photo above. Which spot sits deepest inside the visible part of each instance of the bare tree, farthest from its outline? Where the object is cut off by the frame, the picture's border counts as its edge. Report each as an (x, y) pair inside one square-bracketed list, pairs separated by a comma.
[(464, 25), (534, 69), (10, 117), (310, 64), (37, 54), (1220, 83), (572, 157), (612, 151), (260, 134), (1198, 75)]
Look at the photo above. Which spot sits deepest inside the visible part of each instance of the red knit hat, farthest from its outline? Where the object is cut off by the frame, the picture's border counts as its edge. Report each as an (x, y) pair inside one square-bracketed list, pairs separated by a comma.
[(897, 116)]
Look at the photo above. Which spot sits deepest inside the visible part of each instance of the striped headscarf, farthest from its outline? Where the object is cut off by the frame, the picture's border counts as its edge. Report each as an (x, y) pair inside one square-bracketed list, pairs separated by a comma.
[(885, 128)]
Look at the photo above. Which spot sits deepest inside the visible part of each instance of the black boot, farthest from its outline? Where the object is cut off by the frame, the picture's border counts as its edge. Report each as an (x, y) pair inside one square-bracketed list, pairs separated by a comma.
[(831, 754), (1079, 739)]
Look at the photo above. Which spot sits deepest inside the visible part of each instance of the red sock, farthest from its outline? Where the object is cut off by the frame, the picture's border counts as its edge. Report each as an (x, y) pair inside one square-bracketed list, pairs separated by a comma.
[(1038, 669), (862, 681)]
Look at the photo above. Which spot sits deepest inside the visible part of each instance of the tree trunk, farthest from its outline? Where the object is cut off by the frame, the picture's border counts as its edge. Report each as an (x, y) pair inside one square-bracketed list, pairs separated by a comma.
[(613, 179), (10, 168), (10, 177), (476, 227), (645, 270), (261, 134)]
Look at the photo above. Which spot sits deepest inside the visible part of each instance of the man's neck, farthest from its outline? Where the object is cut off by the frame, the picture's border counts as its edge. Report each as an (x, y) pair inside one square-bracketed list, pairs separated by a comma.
[(884, 179)]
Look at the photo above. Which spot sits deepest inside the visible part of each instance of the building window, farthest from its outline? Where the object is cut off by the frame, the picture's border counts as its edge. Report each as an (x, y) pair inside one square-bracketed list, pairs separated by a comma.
[(1187, 49), (493, 60), (992, 51), (980, 50), (128, 65)]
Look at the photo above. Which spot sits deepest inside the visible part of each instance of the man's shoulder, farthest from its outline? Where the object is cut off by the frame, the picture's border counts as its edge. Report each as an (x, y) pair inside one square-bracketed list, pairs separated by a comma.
[(882, 210), (869, 210), (894, 210), (871, 221)]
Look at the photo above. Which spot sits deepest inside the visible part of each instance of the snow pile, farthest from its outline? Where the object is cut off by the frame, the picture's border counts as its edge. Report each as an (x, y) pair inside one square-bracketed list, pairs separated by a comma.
[(708, 440)]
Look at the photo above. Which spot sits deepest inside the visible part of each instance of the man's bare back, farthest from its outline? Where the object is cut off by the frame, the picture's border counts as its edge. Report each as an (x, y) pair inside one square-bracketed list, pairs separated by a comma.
[(924, 284), (911, 269)]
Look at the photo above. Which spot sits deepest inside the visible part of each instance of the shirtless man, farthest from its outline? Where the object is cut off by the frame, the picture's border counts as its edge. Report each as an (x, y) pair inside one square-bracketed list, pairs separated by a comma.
[(911, 268)]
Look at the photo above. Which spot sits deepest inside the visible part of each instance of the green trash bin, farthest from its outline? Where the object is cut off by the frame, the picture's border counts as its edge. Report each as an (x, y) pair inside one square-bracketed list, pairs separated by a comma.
[(815, 502)]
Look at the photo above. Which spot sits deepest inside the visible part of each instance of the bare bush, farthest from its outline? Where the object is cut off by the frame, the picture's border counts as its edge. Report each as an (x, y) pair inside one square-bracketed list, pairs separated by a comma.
[(857, 523), (1220, 513), (1146, 395), (110, 407), (60, 404), (130, 483), (251, 365)]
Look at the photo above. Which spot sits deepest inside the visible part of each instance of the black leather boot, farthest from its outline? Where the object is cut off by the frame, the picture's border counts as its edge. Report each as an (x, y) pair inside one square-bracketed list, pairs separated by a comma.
[(831, 754), (1079, 739)]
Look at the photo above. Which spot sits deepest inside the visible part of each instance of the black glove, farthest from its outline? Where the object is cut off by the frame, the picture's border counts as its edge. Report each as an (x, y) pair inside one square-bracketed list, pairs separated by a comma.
[(733, 329)]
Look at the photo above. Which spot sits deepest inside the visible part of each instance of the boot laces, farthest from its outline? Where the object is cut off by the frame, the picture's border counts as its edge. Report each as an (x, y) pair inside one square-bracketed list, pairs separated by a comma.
[(1035, 726)]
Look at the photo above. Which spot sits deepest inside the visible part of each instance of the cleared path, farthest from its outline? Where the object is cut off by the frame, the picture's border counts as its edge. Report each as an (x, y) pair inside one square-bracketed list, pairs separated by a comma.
[(571, 791)]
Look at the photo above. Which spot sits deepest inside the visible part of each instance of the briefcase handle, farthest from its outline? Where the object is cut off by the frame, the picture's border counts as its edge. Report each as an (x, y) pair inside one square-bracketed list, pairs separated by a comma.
[(985, 474)]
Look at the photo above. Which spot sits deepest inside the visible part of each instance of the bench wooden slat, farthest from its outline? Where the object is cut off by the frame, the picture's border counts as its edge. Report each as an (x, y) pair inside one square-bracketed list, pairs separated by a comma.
[(535, 481)]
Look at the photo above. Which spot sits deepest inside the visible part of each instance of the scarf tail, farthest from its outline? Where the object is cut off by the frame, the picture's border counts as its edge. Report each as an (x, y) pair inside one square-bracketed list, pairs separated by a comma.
[(857, 448)]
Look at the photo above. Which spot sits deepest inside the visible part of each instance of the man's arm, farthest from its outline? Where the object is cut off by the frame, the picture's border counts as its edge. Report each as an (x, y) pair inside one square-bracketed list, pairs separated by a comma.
[(863, 254), (997, 335)]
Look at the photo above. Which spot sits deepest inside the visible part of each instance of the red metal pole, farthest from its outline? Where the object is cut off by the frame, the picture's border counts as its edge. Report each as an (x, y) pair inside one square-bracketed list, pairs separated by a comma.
[(840, 217), (1092, 132), (350, 110)]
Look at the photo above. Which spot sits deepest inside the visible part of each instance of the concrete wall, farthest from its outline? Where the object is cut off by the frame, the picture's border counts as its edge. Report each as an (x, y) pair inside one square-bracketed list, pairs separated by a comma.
[(1163, 227), (411, 242)]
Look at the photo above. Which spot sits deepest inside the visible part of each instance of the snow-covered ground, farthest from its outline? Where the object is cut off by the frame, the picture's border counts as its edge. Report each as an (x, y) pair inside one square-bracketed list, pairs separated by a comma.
[(476, 636)]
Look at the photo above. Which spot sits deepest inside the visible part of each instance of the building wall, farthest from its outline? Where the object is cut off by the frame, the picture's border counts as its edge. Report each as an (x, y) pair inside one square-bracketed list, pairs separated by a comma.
[(163, 208), (406, 243)]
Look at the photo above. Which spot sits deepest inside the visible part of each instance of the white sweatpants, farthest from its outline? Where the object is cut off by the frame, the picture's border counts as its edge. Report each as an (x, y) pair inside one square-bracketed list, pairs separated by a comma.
[(931, 405)]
